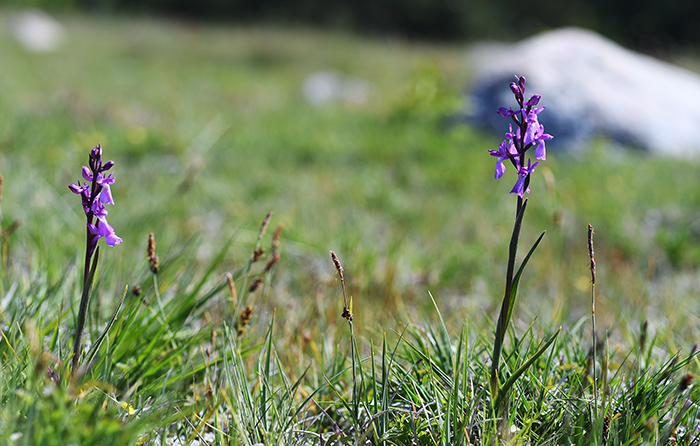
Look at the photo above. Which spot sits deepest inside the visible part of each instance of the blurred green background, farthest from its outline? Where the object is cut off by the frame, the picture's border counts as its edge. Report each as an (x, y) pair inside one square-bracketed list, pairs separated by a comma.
[(209, 130)]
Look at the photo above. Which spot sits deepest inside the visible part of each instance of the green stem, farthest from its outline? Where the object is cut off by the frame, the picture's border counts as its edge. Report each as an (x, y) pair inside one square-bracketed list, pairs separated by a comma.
[(595, 356), (82, 312), (504, 316)]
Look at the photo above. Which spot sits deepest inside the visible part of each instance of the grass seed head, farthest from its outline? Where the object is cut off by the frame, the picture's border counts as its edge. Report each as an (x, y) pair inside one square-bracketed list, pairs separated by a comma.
[(338, 266), (153, 261), (347, 314), (276, 236), (274, 258), (255, 285), (244, 319), (591, 252), (263, 226), (686, 381)]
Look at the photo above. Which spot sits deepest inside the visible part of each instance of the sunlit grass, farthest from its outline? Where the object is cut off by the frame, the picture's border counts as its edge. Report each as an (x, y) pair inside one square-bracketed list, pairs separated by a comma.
[(210, 132)]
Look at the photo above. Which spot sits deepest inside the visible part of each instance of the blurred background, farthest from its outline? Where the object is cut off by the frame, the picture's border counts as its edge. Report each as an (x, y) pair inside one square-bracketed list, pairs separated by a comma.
[(647, 25), (346, 119)]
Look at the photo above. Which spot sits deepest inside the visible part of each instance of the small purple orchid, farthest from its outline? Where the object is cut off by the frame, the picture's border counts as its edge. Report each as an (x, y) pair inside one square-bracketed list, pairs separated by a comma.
[(523, 172), (528, 133), (96, 193), (506, 150)]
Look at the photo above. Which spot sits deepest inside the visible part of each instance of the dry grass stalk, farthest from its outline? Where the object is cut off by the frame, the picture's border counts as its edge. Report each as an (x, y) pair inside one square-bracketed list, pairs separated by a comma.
[(347, 314), (232, 289)]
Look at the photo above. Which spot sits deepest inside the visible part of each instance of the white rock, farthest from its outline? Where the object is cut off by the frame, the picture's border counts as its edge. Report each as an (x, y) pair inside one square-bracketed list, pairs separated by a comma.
[(592, 85), (37, 31)]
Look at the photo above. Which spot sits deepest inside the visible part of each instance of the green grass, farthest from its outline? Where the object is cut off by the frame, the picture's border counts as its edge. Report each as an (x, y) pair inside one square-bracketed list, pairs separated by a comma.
[(209, 132)]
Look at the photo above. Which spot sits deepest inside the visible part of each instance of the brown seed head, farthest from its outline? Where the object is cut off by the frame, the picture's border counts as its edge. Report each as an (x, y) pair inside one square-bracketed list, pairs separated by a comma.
[(338, 267), (274, 258), (256, 284), (136, 290), (151, 252), (686, 381), (347, 314), (244, 319), (263, 226), (276, 237), (274, 254), (2, 181), (591, 252), (257, 251)]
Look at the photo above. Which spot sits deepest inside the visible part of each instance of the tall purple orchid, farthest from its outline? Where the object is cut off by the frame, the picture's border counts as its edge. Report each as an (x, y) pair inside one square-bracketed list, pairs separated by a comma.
[(528, 133), (95, 194), (524, 133)]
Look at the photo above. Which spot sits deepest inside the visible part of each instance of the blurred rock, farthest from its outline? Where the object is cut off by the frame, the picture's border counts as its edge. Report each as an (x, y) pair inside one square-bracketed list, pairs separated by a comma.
[(325, 87), (591, 86), (37, 31)]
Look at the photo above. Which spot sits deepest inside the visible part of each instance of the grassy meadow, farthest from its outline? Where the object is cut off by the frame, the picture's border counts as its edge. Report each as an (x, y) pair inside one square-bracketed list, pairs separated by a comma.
[(209, 132)]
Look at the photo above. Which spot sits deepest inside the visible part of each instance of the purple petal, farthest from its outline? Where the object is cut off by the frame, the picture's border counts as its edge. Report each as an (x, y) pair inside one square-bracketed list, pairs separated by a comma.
[(534, 100), (98, 210), (113, 239), (86, 174), (93, 229), (530, 134), (500, 168), (105, 230), (540, 152), (106, 195), (519, 186), (103, 180)]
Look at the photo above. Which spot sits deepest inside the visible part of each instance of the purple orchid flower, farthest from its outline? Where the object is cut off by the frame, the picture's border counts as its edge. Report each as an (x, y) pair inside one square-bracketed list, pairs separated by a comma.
[(95, 194), (506, 150), (535, 134), (528, 133), (523, 172)]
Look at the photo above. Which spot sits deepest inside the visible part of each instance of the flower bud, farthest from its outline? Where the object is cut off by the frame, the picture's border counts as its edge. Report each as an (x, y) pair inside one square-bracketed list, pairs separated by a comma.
[(96, 153), (108, 165), (505, 112), (534, 100), (521, 83)]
